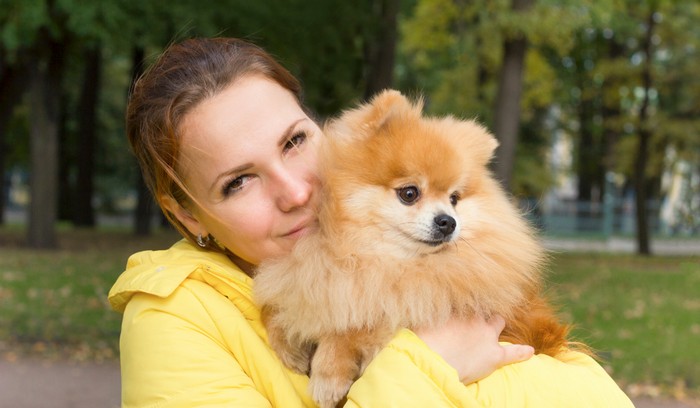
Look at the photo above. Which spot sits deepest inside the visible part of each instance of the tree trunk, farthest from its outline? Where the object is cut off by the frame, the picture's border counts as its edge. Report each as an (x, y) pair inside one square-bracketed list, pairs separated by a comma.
[(84, 214), (507, 111), (640, 164), (14, 80), (382, 51), (66, 165), (588, 155), (44, 107)]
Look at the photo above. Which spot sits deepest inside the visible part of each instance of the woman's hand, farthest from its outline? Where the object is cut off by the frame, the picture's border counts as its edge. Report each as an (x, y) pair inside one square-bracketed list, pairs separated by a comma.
[(471, 346)]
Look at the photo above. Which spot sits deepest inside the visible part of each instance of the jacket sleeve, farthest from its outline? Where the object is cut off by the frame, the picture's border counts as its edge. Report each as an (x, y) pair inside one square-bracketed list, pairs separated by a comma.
[(407, 373), (171, 357)]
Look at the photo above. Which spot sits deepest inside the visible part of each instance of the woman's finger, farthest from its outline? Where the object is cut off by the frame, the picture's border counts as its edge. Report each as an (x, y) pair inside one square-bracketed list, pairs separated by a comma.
[(515, 353)]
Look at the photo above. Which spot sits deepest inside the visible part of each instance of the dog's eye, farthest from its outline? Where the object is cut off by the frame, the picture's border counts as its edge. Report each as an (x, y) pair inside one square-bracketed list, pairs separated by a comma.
[(408, 195), (454, 197)]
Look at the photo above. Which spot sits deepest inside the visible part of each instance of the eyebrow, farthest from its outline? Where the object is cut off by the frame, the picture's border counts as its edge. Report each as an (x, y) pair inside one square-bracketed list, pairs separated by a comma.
[(239, 169)]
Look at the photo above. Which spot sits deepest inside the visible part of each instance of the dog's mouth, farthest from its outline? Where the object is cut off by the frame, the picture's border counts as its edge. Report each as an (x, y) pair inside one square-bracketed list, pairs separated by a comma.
[(431, 240), (442, 230), (432, 247), (434, 243)]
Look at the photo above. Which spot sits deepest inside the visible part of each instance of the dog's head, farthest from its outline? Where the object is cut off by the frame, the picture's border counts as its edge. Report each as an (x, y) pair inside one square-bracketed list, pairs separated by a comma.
[(395, 178)]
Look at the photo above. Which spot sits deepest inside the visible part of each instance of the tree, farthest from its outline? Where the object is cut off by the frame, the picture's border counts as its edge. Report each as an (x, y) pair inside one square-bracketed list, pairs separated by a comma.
[(84, 213), (330, 59), (44, 104), (588, 166), (507, 109), (44, 30), (677, 56), (453, 51), (14, 81), (381, 49), (645, 133), (642, 71)]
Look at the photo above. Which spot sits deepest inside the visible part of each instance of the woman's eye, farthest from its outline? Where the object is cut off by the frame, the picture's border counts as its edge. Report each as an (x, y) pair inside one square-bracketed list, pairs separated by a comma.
[(234, 185), (295, 141)]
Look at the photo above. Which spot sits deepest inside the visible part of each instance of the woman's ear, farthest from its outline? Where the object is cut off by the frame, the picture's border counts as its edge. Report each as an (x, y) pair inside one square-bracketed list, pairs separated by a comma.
[(184, 216)]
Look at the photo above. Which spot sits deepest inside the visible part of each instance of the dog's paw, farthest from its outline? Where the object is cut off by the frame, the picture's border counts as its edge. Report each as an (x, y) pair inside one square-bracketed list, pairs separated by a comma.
[(328, 391), (298, 358)]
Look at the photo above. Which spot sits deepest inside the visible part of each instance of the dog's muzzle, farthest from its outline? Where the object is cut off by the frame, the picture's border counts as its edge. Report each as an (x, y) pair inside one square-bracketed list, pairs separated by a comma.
[(443, 227)]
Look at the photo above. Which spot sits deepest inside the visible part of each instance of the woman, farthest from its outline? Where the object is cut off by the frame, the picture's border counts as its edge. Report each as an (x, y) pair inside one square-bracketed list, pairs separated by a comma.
[(229, 152)]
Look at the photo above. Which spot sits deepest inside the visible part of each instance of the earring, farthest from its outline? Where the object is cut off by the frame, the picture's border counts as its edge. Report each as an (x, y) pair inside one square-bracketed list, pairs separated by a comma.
[(201, 241)]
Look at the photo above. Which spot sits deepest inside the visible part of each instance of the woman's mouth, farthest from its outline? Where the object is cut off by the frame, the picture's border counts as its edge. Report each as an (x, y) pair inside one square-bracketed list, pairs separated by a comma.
[(300, 229)]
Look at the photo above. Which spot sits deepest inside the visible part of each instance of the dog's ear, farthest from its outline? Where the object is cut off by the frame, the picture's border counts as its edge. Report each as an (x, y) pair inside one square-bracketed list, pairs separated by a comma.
[(387, 105), (478, 140), (368, 118)]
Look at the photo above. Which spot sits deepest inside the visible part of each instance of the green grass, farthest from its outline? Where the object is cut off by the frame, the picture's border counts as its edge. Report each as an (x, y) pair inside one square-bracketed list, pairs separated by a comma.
[(54, 303), (642, 315)]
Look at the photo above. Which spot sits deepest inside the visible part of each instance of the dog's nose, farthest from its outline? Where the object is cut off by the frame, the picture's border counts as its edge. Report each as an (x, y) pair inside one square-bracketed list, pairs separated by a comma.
[(445, 224)]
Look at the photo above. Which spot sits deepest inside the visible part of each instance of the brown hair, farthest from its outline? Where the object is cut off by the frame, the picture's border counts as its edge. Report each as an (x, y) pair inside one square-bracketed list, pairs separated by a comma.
[(182, 77)]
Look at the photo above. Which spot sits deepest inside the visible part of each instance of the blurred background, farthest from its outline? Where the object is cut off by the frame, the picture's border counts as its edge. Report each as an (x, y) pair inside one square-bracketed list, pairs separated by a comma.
[(596, 105)]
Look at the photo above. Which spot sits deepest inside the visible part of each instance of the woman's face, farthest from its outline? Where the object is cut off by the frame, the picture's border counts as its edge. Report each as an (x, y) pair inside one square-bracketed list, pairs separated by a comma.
[(248, 157)]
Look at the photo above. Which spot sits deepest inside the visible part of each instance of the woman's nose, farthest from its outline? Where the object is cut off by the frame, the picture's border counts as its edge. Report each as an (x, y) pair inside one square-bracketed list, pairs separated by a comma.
[(294, 190)]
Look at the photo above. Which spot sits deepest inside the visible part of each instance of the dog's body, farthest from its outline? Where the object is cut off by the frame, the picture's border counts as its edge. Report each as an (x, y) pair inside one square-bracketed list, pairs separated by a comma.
[(413, 230)]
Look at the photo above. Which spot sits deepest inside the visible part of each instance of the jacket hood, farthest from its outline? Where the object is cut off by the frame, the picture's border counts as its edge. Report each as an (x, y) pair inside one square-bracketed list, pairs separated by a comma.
[(159, 273)]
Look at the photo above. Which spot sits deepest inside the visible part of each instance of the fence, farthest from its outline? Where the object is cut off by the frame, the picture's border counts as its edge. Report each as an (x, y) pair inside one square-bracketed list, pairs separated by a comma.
[(611, 217)]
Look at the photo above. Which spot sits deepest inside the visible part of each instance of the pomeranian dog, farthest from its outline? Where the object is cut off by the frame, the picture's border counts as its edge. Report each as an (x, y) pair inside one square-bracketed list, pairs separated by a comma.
[(413, 229)]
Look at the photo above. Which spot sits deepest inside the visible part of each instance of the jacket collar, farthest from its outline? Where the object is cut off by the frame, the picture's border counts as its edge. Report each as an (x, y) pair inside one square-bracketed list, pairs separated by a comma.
[(159, 273)]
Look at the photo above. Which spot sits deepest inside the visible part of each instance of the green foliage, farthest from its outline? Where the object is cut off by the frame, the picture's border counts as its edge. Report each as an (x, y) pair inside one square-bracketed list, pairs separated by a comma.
[(550, 24), (20, 22), (116, 171), (429, 32), (328, 58), (580, 54), (530, 177), (679, 84), (453, 51), (541, 84)]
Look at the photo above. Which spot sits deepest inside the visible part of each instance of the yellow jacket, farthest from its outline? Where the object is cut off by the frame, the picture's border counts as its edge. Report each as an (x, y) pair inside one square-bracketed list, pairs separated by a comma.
[(192, 336)]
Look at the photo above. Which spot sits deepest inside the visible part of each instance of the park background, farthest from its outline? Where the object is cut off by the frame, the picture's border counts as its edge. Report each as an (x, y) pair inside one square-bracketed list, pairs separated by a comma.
[(596, 105)]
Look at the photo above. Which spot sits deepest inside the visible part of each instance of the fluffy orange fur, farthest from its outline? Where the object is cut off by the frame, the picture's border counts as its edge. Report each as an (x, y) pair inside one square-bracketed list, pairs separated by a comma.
[(380, 261)]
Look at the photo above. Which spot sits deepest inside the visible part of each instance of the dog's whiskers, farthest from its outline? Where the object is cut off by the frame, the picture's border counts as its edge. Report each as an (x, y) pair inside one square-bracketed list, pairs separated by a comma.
[(469, 244)]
